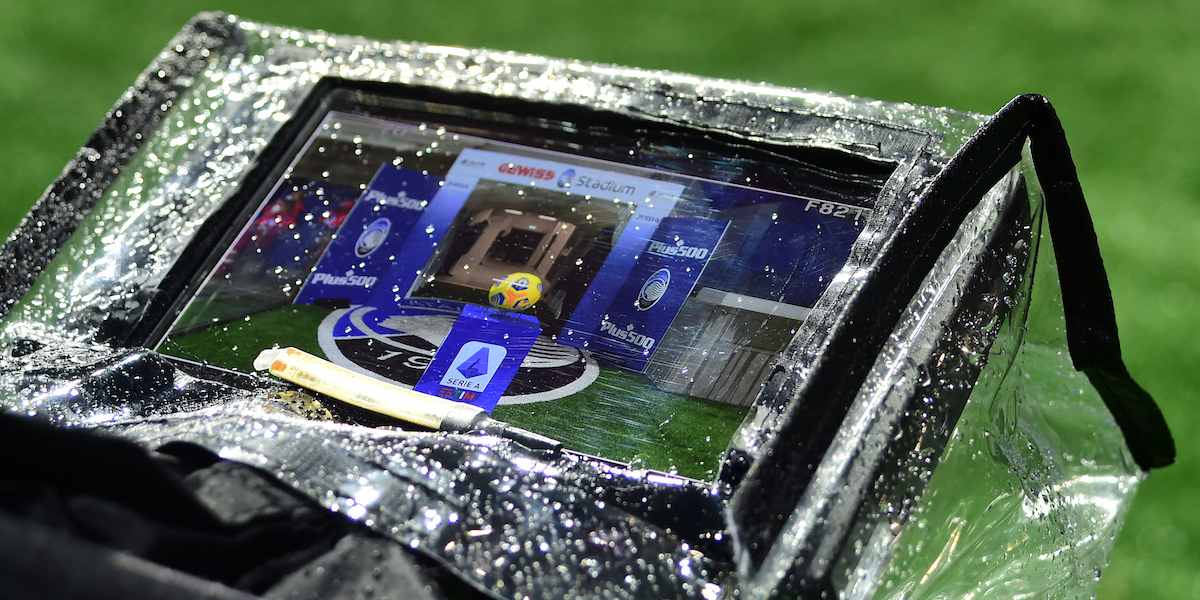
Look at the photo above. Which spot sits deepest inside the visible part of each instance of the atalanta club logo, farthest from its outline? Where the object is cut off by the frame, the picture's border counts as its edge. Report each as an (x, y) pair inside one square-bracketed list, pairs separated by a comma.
[(372, 237), (653, 289), (399, 343)]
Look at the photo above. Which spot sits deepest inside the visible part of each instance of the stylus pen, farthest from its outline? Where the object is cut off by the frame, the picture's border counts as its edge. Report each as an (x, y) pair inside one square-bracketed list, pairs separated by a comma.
[(322, 376)]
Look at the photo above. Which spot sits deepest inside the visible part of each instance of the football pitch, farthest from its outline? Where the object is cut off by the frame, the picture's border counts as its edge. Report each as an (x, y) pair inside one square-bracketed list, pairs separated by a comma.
[(620, 416)]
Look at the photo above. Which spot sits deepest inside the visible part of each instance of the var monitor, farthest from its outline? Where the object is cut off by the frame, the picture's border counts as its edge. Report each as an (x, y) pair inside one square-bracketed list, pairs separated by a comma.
[(625, 291)]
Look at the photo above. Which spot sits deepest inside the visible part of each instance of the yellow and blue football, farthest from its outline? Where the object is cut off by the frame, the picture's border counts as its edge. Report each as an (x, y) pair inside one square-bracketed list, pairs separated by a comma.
[(517, 291)]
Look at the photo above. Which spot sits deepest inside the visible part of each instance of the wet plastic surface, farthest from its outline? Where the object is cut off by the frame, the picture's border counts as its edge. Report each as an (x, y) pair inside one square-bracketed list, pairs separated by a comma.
[(545, 524), (1049, 476)]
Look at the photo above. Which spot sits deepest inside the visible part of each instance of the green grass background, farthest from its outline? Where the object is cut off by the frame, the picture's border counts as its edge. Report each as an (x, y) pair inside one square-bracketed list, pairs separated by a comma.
[(1124, 76)]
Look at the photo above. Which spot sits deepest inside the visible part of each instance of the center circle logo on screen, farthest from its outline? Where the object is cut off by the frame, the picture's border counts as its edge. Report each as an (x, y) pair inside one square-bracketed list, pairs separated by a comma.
[(653, 289), (398, 343), (372, 237), (564, 180)]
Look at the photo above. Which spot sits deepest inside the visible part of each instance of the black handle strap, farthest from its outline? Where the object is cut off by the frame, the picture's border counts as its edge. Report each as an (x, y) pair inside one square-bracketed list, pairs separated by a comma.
[(779, 476), (1087, 300)]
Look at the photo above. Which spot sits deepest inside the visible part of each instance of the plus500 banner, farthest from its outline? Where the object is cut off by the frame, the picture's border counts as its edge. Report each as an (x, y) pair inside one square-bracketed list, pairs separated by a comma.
[(656, 288), (372, 236)]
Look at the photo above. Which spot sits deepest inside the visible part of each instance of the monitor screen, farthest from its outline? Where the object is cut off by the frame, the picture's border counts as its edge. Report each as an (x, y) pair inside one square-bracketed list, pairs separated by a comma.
[(623, 291)]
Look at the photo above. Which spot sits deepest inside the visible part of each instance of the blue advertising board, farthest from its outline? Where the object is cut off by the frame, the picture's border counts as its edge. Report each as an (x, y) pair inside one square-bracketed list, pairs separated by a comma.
[(371, 237), (655, 289)]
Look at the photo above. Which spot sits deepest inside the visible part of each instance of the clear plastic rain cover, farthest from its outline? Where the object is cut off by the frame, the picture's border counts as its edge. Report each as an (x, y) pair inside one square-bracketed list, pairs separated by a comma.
[(643, 266)]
